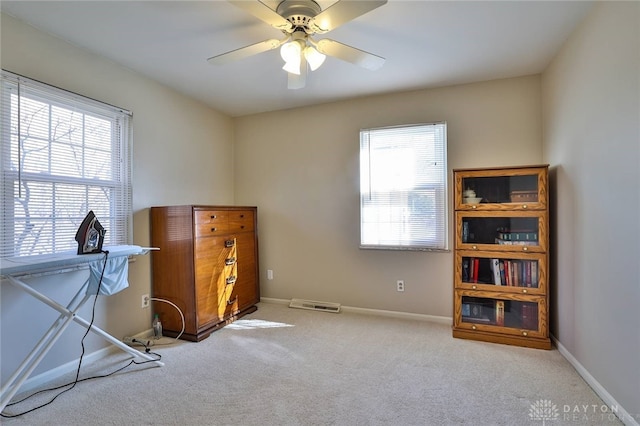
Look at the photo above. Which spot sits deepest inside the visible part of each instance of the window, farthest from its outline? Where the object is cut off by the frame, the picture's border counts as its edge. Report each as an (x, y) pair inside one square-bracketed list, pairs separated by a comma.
[(403, 175), (62, 155)]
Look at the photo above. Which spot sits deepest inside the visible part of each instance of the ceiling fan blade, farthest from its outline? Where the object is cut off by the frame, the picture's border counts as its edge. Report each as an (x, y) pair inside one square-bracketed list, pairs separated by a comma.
[(341, 12), (264, 13), (296, 81), (245, 52), (350, 54)]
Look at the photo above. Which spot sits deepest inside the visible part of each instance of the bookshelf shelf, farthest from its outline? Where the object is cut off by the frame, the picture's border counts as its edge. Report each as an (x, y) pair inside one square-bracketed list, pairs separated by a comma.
[(501, 292)]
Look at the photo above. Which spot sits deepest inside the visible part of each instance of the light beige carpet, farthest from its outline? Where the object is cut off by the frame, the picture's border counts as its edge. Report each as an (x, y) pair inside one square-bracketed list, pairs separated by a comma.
[(282, 366)]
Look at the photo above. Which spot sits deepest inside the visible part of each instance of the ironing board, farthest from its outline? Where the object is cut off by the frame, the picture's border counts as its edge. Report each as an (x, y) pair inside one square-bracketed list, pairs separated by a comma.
[(13, 269)]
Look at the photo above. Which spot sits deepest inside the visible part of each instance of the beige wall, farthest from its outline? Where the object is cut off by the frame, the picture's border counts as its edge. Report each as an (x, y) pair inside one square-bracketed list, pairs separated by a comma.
[(182, 153), (591, 107), (300, 167)]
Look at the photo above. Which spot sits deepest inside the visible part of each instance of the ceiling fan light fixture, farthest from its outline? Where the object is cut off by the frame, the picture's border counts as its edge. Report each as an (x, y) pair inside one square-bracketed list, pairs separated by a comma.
[(292, 67), (290, 51), (299, 20), (313, 57), (292, 54)]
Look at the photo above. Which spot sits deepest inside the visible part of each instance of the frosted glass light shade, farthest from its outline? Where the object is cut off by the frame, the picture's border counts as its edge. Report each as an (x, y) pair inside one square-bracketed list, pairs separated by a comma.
[(291, 51), (313, 57), (292, 66)]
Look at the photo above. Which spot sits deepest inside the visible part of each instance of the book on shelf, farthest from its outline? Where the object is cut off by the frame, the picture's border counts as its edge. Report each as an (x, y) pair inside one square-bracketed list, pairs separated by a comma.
[(466, 310), (495, 268), (529, 312), (479, 311), (465, 269), (515, 272), (534, 274), (518, 236), (500, 241), (476, 268), (507, 273), (465, 231), (500, 312)]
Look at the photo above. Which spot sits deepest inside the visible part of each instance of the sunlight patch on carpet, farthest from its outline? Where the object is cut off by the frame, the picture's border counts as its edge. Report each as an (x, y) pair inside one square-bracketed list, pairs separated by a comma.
[(251, 324)]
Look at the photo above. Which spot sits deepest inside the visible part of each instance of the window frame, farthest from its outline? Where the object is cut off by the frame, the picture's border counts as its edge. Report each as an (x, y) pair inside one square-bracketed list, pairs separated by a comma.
[(114, 185), (410, 196)]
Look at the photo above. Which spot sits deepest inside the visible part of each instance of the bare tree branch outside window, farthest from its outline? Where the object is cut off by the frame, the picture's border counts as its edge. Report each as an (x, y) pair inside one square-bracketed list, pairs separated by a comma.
[(60, 160)]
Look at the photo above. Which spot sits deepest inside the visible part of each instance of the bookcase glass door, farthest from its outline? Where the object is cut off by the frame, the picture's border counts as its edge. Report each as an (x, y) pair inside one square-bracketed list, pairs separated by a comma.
[(500, 230), (501, 271), (514, 314), (503, 189)]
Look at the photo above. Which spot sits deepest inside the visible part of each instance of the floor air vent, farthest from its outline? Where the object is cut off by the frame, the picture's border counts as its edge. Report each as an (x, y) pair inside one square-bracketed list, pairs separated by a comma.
[(315, 306)]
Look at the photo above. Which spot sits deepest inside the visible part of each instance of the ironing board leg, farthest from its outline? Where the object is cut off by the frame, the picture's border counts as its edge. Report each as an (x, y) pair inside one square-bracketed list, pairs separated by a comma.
[(11, 387)]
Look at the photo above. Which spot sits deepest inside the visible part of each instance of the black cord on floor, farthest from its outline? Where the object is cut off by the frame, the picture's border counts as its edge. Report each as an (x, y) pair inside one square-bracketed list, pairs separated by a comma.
[(77, 379)]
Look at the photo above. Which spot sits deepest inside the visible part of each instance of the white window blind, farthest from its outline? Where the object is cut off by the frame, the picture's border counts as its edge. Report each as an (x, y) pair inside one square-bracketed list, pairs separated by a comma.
[(403, 177), (62, 155)]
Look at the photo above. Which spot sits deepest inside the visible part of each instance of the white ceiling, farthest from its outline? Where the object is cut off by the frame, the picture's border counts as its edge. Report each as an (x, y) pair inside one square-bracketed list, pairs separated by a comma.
[(425, 43)]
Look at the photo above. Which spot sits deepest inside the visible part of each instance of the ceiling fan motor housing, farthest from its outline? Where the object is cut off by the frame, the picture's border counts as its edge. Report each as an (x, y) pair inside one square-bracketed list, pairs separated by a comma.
[(299, 12)]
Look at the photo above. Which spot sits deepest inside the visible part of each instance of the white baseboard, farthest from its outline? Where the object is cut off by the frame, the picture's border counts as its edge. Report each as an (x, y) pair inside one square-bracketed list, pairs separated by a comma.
[(400, 315), (379, 312), (38, 381), (276, 301), (616, 408)]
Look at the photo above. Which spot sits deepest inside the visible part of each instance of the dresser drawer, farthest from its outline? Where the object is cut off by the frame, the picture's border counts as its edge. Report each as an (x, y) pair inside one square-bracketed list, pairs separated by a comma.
[(241, 221), (211, 216), (211, 222), (241, 297)]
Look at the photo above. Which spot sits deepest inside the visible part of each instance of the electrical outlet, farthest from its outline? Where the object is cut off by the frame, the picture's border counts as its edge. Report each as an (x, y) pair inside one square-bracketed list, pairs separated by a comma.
[(400, 285), (269, 274), (145, 300)]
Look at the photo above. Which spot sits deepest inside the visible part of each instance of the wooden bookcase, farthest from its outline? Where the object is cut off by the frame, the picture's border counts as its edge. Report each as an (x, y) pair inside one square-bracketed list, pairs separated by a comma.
[(501, 260)]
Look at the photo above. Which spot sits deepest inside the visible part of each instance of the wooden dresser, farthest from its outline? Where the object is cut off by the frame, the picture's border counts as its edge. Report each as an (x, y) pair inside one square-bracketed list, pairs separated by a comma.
[(207, 265)]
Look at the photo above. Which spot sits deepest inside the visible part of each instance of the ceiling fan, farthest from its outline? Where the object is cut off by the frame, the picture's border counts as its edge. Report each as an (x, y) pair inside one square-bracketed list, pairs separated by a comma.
[(299, 20)]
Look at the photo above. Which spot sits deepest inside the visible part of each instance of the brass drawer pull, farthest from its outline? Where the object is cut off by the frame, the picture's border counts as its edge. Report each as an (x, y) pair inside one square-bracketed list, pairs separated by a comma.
[(229, 243), (524, 333), (230, 261), (214, 229), (232, 301), (241, 216), (231, 280), (213, 216)]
